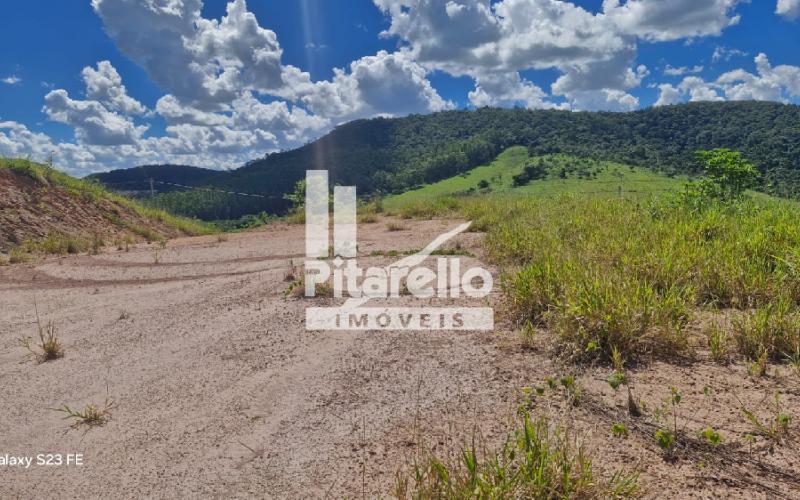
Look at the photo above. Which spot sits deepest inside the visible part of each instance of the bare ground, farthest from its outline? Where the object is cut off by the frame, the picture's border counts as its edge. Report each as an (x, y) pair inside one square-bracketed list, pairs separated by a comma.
[(221, 392)]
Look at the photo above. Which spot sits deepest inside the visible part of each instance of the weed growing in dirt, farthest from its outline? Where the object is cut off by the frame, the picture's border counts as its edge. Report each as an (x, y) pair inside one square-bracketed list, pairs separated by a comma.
[(619, 429), (667, 434), (394, 226), (456, 249), (297, 288), (91, 415), (776, 428), (758, 368), (124, 242), (49, 346), (710, 436), (97, 244), (665, 439), (528, 335), (538, 461), (373, 206), (572, 390), (60, 244), (794, 359), (616, 379), (291, 274)]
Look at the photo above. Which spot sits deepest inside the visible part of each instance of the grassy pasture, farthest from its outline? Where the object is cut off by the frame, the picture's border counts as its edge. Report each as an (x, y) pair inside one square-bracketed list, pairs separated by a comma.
[(565, 174)]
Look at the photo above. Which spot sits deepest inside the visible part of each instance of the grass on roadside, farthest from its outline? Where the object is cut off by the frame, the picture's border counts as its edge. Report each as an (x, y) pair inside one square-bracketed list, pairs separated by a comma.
[(538, 460), (607, 273)]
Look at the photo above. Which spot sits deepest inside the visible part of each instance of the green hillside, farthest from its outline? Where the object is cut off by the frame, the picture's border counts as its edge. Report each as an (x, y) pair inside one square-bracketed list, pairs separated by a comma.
[(390, 156), (561, 174)]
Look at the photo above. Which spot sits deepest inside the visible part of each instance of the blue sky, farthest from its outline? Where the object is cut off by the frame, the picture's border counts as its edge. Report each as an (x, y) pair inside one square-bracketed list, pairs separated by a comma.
[(117, 83)]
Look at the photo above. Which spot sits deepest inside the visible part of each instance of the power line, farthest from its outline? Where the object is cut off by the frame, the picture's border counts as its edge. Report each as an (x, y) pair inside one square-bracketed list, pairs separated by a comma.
[(153, 181)]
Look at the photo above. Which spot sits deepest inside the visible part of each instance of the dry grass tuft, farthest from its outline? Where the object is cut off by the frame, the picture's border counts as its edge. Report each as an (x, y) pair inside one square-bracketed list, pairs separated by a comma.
[(18, 256), (91, 415), (297, 287), (49, 346)]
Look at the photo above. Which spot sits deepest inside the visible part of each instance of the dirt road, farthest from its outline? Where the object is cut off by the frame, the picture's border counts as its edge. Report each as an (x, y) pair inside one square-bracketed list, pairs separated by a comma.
[(220, 391)]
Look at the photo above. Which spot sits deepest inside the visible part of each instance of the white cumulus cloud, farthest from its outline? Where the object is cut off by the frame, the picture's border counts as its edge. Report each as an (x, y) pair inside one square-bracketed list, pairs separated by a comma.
[(768, 83), (660, 20), (105, 85), (93, 123), (205, 63), (788, 8), (508, 89), (383, 84)]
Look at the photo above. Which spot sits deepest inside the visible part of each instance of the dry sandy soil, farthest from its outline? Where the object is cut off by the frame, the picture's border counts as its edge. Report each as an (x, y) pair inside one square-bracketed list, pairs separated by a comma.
[(220, 391), (31, 209)]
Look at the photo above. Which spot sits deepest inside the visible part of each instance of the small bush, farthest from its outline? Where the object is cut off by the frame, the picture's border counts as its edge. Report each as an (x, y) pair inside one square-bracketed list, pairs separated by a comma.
[(776, 427), (394, 226)]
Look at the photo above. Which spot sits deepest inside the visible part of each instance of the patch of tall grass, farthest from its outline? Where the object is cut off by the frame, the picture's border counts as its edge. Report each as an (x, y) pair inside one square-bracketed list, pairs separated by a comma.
[(611, 273), (538, 461)]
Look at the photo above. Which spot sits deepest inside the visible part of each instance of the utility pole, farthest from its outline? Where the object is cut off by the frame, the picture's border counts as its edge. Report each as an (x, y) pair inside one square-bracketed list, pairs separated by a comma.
[(152, 189)]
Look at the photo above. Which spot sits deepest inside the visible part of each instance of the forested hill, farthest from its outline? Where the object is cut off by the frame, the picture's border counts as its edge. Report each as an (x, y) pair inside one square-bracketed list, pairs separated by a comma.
[(138, 179), (392, 155)]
